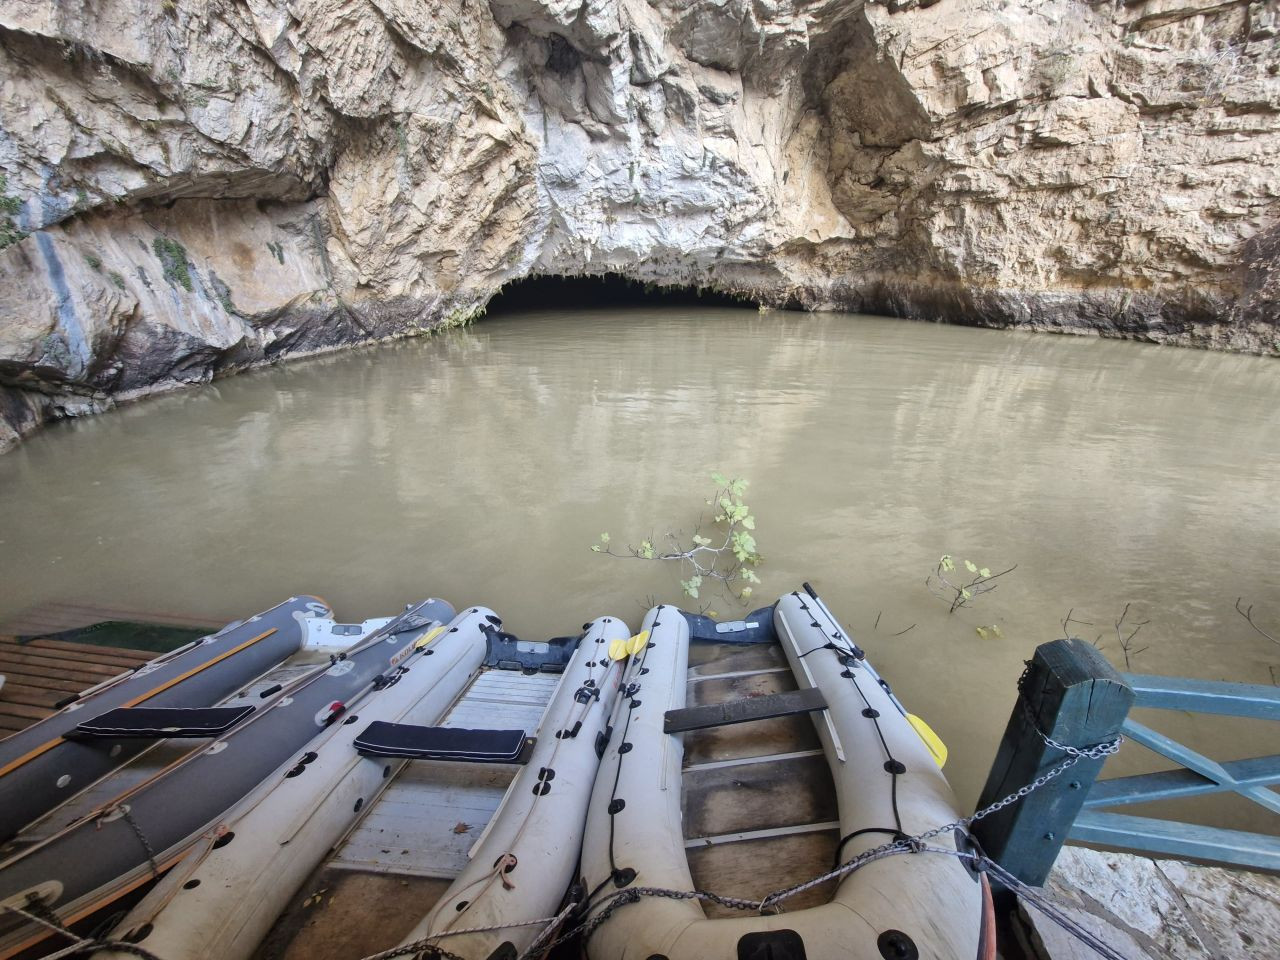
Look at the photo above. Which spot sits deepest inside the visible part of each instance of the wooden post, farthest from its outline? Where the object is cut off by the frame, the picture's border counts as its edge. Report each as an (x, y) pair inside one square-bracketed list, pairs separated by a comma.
[(1077, 699)]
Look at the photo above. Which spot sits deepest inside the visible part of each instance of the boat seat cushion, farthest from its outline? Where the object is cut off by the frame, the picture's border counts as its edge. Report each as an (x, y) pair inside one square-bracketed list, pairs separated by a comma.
[(161, 722), (381, 739)]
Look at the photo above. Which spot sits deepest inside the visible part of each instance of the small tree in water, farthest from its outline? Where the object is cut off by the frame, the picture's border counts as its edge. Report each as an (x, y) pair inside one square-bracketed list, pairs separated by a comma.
[(728, 555), (960, 590)]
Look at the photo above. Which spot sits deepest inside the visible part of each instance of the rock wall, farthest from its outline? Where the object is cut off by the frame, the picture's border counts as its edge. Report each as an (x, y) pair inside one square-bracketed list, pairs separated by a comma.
[(189, 188)]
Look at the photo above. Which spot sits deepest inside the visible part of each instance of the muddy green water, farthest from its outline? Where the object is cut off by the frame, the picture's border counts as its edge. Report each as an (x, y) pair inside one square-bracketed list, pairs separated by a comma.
[(480, 465)]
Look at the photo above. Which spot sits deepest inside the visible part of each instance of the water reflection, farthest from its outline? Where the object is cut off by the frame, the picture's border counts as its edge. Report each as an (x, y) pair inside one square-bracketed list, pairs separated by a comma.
[(478, 466)]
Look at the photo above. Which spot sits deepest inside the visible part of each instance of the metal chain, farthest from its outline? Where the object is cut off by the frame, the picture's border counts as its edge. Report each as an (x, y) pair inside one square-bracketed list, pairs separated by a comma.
[(912, 844), (1096, 752), (425, 943), (127, 814)]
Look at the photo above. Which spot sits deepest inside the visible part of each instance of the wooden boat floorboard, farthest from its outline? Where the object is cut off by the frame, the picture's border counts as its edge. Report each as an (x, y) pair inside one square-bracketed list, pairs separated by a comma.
[(758, 796), (338, 915), (744, 797), (735, 869), (400, 858)]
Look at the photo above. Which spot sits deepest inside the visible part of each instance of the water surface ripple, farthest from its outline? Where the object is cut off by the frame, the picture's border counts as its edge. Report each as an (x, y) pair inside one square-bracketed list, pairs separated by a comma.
[(480, 464)]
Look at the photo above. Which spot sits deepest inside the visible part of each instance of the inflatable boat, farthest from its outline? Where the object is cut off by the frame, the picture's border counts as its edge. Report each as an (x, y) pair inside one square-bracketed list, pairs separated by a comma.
[(45, 764), (119, 848), (888, 786), (221, 900), (527, 856)]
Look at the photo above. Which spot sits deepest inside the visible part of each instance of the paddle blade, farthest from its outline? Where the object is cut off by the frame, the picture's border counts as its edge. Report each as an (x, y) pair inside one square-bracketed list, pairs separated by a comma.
[(427, 637), (617, 649), (636, 643), (931, 739)]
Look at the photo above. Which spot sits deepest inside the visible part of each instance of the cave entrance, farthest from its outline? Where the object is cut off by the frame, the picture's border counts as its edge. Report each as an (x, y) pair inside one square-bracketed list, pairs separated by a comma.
[(606, 290)]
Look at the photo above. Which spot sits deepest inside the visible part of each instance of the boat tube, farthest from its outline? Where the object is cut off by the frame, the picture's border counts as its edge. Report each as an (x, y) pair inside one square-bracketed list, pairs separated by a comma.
[(135, 838), (888, 786), (527, 856), (44, 765), (221, 900)]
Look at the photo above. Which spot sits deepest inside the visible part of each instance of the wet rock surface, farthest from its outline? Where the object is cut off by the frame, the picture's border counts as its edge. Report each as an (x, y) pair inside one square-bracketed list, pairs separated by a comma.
[(193, 188)]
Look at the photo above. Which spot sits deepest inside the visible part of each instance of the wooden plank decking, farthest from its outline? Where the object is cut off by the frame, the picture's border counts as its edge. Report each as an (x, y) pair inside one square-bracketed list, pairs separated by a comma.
[(40, 673)]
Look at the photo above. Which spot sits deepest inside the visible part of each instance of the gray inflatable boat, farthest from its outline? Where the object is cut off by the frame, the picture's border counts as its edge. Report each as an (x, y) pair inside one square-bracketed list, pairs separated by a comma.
[(45, 764), (96, 862)]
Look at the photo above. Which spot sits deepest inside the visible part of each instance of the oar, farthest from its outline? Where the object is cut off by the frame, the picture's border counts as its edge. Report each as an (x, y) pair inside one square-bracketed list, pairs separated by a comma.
[(931, 739)]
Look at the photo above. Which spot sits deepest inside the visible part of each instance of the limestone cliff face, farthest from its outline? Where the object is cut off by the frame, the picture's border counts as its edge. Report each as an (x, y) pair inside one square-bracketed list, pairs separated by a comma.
[(190, 188)]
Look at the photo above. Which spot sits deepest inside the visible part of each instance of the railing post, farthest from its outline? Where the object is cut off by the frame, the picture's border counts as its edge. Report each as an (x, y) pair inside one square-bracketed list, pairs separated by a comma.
[(1077, 699)]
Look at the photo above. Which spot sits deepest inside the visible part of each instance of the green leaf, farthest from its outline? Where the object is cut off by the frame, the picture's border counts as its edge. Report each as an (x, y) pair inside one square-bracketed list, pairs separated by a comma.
[(726, 505), (981, 632), (604, 538), (595, 548), (750, 575), (966, 594), (746, 592), (984, 572), (702, 541), (646, 549), (995, 628), (719, 479), (749, 522), (738, 487), (971, 566), (946, 564)]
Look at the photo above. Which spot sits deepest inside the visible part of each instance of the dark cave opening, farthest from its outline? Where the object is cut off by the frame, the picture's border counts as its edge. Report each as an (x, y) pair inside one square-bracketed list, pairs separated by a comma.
[(553, 292)]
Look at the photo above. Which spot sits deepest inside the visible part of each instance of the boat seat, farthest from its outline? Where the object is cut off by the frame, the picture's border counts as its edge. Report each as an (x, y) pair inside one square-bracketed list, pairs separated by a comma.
[(161, 722), (382, 739), (741, 711)]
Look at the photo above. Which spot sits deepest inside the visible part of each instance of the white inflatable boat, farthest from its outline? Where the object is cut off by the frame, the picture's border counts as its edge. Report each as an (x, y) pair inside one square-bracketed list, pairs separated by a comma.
[(888, 786), (221, 900), (527, 856)]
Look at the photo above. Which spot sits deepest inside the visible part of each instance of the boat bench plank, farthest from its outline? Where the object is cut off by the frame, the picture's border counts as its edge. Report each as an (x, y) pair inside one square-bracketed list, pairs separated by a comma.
[(741, 711)]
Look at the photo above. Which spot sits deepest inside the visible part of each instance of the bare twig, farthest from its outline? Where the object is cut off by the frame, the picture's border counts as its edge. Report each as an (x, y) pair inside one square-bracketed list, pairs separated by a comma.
[(1066, 625), (1126, 642), (1247, 613), (876, 626)]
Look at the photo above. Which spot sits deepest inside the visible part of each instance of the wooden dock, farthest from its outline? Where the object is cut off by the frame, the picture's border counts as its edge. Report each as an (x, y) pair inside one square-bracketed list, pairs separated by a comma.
[(41, 673)]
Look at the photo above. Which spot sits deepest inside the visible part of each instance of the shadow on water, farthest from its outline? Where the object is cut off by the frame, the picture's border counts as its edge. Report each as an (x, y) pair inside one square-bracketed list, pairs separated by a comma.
[(553, 292)]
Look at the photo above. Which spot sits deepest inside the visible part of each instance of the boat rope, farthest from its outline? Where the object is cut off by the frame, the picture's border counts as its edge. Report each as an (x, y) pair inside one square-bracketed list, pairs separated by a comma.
[(507, 861), (635, 668), (80, 944), (1037, 898), (427, 948), (901, 844), (850, 655)]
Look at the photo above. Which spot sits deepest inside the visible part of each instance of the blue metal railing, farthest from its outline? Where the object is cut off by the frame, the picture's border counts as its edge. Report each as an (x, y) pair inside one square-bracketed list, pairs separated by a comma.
[(1196, 775)]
